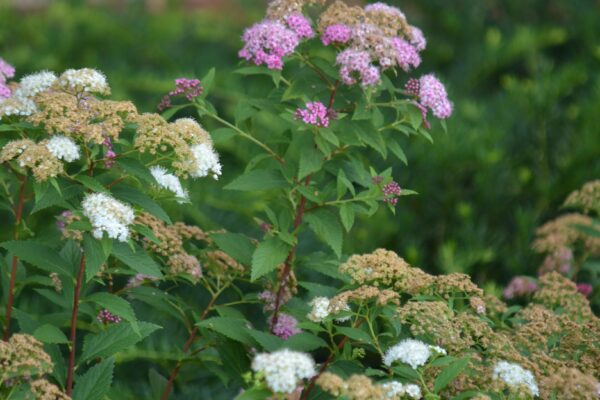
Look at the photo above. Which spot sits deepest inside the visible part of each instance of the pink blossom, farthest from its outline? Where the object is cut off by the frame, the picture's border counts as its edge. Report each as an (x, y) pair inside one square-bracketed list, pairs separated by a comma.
[(299, 24), (268, 298), (337, 34), (315, 114), (6, 71), (391, 191), (267, 42), (110, 155), (418, 39), (5, 91), (190, 88), (519, 286), (106, 317), (286, 326), (407, 55), (380, 7), (585, 289), (357, 63), (432, 94)]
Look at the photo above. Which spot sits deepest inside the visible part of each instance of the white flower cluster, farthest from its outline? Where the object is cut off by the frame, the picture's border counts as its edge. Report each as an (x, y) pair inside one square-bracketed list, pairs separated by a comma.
[(109, 215), (284, 368), (21, 102), (410, 351), (84, 80), (206, 161), (169, 182), (395, 390), (322, 308), (514, 375), (63, 148)]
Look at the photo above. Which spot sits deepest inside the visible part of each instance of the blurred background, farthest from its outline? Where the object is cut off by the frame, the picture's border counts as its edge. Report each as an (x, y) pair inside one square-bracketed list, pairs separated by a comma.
[(524, 78)]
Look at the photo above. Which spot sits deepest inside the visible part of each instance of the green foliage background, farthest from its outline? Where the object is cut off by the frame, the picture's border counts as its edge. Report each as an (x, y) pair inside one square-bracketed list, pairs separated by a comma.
[(526, 131)]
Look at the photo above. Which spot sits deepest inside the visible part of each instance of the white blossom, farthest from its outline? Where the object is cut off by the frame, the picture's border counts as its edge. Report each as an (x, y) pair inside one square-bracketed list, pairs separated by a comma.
[(320, 309), (514, 375), (106, 214), (396, 390), (438, 349), (33, 84), (412, 352), (16, 106), (84, 80), (206, 161), (284, 369), (63, 148), (169, 182)]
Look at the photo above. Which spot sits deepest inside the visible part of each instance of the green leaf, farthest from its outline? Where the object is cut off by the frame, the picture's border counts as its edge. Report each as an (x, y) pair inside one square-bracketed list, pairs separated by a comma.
[(258, 179), (327, 227), (113, 339), (236, 245), (267, 256), (207, 82), (95, 383), (344, 183), (310, 161), (449, 373), (347, 216), (139, 260), (50, 334), (117, 306), (134, 196), (267, 341), (397, 150), (255, 393), (354, 334), (137, 169), (94, 256), (168, 114), (38, 254), (305, 341), (233, 328), (91, 183), (146, 232)]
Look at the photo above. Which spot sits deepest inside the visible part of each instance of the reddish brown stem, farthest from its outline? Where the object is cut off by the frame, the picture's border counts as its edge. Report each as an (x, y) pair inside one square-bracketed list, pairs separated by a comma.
[(71, 369), (13, 271), (186, 348), (333, 93), (324, 367)]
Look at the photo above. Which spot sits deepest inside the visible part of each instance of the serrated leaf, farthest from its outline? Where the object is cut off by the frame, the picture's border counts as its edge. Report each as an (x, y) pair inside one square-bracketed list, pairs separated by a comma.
[(94, 256), (255, 393), (327, 227), (137, 169), (139, 260), (116, 305), (343, 184), (347, 214), (95, 383), (37, 254), (354, 334), (113, 339), (305, 341), (267, 341), (449, 373), (91, 183), (236, 245), (258, 179), (50, 334), (310, 161), (233, 328), (267, 256), (134, 196), (207, 81), (394, 146)]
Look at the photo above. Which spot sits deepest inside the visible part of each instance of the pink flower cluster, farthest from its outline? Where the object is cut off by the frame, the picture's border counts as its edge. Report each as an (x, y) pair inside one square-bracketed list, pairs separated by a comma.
[(431, 94), (407, 56), (357, 64), (519, 286), (110, 155), (585, 289), (300, 25), (418, 39), (391, 191), (190, 88), (336, 34), (286, 326), (267, 42), (315, 113), (6, 71), (106, 317)]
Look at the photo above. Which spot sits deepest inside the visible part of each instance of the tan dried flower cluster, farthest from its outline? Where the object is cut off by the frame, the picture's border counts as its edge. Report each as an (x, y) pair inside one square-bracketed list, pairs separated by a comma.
[(278, 9), (56, 282), (557, 292), (170, 246), (34, 156), (83, 117), (356, 387), (44, 390), (587, 198), (341, 13), (363, 294), (68, 233), (569, 383), (23, 357), (562, 233), (155, 135)]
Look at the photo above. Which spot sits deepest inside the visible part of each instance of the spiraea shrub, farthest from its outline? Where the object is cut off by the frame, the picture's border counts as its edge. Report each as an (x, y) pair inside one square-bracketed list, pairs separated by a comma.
[(286, 313)]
